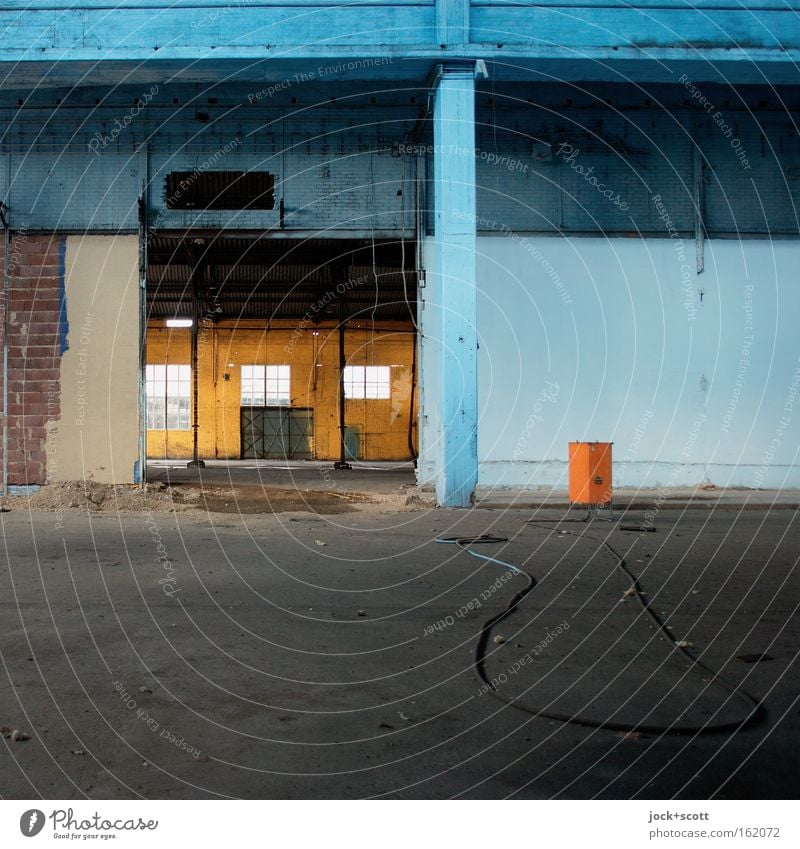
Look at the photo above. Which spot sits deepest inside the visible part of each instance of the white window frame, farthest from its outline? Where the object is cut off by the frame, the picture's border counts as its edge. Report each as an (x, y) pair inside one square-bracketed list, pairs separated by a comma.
[(369, 383), (168, 395), (266, 385)]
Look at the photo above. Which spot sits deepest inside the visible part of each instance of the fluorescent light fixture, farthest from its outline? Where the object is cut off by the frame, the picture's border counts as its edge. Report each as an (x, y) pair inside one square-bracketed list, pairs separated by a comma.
[(179, 322)]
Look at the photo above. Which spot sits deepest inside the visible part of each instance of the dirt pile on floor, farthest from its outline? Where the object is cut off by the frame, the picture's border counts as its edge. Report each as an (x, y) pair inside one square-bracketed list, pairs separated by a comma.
[(92, 497), (97, 498)]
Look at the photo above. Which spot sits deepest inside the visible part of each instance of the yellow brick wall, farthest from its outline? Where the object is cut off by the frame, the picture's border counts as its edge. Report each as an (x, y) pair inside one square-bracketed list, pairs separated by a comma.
[(314, 360)]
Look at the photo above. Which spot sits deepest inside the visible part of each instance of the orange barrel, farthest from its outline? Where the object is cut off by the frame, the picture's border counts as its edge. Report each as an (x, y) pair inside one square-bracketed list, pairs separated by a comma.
[(590, 472)]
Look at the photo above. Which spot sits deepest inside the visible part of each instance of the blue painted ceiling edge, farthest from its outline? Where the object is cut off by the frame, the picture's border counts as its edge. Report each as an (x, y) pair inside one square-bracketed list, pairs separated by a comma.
[(99, 42), (409, 95)]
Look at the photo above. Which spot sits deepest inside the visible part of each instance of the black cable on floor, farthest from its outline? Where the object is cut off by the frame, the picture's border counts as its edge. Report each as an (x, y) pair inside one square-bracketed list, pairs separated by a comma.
[(756, 710)]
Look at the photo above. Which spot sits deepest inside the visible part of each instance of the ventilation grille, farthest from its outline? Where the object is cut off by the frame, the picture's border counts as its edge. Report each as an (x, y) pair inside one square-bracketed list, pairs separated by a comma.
[(220, 190)]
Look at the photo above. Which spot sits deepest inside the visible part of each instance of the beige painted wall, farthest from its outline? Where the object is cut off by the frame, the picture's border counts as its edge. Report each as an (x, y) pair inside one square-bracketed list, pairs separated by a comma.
[(97, 435)]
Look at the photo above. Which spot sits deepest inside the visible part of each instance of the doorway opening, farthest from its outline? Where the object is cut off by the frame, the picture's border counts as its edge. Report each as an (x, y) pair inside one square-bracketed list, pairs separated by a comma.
[(294, 349)]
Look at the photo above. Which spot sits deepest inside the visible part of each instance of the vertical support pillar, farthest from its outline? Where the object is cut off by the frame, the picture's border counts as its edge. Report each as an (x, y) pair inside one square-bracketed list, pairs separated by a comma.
[(198, 272), (455, 246), (4, 326), (195, 461), (699, 203), (140, 472), (342, 463)]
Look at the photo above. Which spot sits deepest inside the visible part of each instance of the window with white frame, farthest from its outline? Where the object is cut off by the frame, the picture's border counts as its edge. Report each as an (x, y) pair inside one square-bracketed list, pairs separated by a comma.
[(367, 382), (167, 389), (266, 386)]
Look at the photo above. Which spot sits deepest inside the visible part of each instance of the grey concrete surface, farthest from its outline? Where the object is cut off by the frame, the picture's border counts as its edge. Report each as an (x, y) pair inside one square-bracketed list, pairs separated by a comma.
[(315, 475), (302, 656), (377, 479), (645, 498)]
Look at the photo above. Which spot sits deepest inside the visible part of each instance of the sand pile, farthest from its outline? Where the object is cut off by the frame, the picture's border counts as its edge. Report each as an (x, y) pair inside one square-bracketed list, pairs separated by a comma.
[(98, 498)]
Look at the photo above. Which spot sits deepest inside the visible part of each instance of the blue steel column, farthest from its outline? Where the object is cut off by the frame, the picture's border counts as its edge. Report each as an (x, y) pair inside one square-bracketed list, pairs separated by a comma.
[(455, 245)]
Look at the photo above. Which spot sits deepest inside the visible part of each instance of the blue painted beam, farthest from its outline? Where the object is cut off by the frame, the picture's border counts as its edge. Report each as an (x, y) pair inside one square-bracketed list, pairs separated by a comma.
[(224, 8), (455, 245), (699, 5), (766, 31), (410, 66), (603, 27), (218, 8), (152, 34)]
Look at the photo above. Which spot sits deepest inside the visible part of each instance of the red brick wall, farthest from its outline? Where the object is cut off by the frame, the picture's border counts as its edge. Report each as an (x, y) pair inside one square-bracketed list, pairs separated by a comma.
[(36, 336)]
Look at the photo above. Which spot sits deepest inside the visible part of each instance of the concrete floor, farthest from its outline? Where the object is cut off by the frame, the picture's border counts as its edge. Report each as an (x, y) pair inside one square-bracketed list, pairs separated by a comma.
[(297, 655), (316, 475), (384, 481)]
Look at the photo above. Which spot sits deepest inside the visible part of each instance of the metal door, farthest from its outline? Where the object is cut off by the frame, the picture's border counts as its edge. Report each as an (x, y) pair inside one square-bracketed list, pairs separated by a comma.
[(300, 423), (277, 433), (352, 442)]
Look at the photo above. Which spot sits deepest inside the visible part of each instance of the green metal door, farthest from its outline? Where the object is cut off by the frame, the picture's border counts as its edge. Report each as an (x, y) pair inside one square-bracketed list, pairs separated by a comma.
[(277, 433), (352, 442)]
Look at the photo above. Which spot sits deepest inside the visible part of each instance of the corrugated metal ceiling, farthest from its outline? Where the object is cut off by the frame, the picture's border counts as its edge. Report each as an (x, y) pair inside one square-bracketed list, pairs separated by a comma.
[(276, 278)]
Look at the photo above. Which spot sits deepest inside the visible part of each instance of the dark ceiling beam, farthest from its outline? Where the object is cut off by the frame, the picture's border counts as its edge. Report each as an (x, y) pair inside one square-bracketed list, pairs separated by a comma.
[(230, 289), (274, 254)]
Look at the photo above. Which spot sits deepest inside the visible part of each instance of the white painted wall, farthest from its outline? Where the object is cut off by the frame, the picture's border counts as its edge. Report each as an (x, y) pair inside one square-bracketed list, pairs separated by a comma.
[(97, 435), (609, 340)]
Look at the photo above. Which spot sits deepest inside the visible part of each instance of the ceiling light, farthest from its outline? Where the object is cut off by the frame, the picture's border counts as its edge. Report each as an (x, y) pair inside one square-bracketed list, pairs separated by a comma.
[(179, 322)]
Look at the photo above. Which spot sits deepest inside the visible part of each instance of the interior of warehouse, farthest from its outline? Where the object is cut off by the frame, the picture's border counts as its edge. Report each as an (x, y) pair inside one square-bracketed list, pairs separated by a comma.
[(266, 396), (617, 228), (285, 331), (399, 400)]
